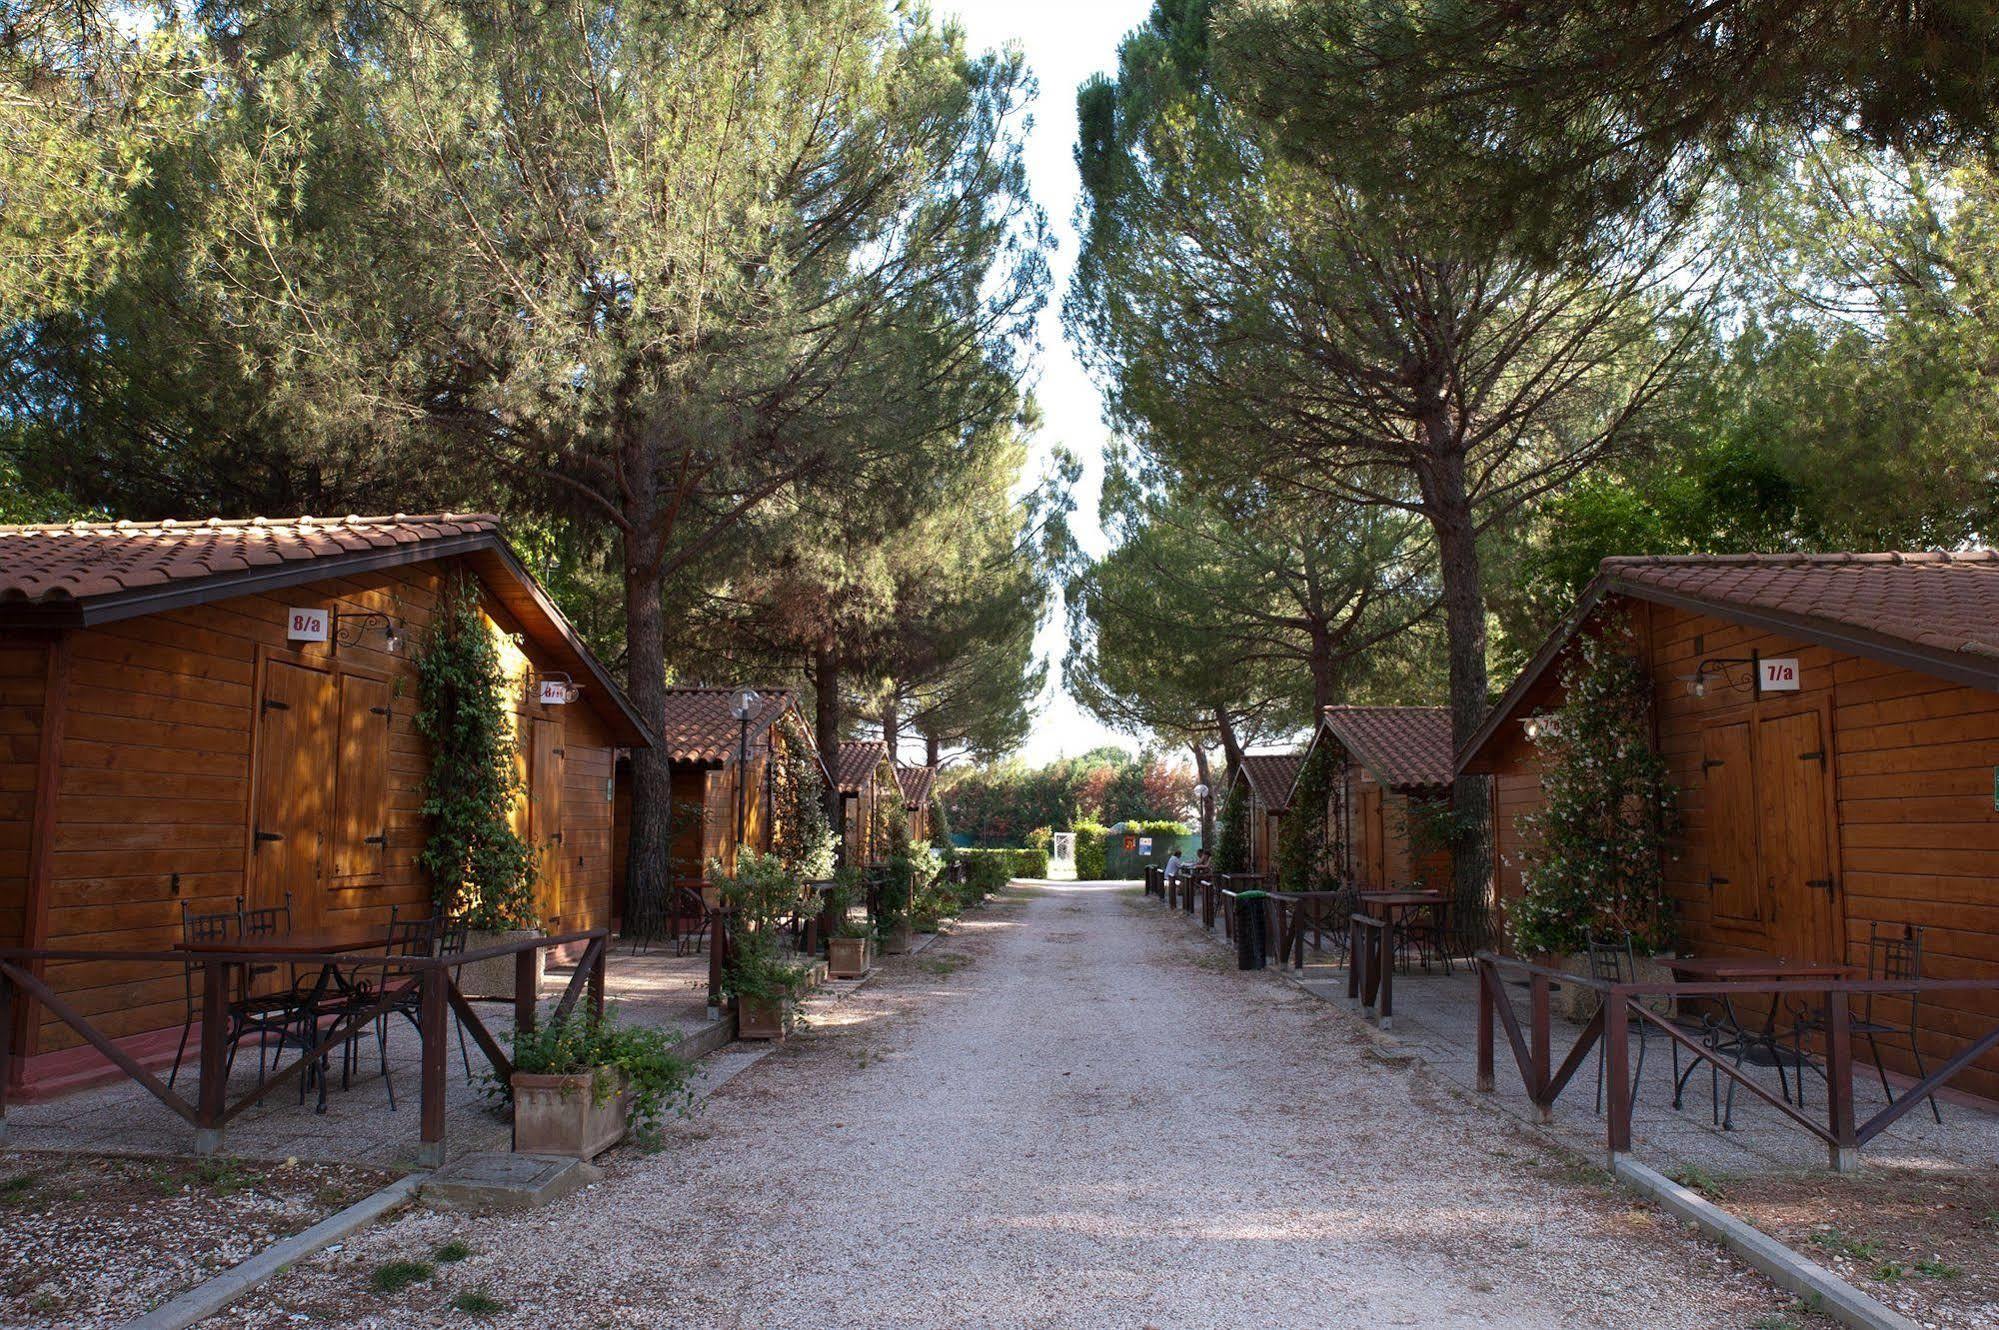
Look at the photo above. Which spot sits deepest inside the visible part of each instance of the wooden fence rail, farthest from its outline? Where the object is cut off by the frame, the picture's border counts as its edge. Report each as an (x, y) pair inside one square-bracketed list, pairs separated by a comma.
[(211, 1111)]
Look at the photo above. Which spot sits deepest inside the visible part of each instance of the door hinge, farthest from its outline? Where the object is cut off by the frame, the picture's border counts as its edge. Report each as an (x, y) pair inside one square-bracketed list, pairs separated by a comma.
[(1817, 755), (272, 704), (556, 751), (262, 836), (1820, 883), (1708, 764), (1716, 880), (382, 839), (379, 711)]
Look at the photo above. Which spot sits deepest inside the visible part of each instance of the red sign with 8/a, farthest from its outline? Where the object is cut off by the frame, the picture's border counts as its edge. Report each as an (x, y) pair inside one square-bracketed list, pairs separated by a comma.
[(305, 625), (1780, 674)]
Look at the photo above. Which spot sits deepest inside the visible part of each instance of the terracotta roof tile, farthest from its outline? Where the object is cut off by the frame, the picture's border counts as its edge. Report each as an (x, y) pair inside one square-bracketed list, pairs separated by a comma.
[(77, 561), (916, 783), (856, 763), (1406, 748), (1271, 776), (1944, 601), (700, 723)]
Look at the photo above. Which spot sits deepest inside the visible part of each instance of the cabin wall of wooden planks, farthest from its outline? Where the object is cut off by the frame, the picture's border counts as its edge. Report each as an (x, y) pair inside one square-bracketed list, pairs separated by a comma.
[(167, 764), (1911, 834)]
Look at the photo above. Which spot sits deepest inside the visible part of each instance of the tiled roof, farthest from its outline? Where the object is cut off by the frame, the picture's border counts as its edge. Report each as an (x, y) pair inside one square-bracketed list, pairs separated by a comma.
[(80, 574), (1405, 748), (80, 561), (856, 764), (916, 783), (700, 724), (1937, 613), (1947, 602), (1271, 776)]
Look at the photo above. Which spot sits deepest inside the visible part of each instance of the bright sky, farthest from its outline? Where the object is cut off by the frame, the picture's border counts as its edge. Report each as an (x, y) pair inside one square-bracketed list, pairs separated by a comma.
[(1065, 42)]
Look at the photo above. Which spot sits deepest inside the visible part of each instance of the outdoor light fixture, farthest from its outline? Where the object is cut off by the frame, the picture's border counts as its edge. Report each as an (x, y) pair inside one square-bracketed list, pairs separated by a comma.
[(349, 629), (1697, 682), (1540, 727), (745, 706), (1201, 792)]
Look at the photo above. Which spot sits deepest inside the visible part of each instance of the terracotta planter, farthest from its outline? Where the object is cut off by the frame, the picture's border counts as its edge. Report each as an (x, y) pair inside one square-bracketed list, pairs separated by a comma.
[(848, 957), (560, 1115), (899, 939), (495, 978), (761, 1018)]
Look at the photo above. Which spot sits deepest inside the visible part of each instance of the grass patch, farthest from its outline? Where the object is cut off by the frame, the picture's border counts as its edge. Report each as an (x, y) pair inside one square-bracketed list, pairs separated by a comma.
[(395, 1276), (17, 1189), (1889, 1272), (1698, 1181), (1841, 1244), (1775, 1321), (944, 965), (224, 1177), (478, 1302), (448, 1252), (1936, 1267)]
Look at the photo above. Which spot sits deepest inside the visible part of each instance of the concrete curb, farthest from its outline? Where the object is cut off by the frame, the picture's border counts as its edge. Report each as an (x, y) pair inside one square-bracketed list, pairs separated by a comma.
[(212, 1295), (1819, 1286), (1784, 1267)]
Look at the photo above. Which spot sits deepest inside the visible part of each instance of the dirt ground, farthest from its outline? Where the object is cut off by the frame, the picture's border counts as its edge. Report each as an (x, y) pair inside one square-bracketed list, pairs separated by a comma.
[(96, 1241), (1924, 1242)]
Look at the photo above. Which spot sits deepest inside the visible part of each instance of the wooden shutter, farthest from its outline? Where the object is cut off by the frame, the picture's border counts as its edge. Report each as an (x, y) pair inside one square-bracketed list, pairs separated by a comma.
[(361, 783), (1791, 771), (718, 813), (1732, 815), (545, 774), (295, 786)]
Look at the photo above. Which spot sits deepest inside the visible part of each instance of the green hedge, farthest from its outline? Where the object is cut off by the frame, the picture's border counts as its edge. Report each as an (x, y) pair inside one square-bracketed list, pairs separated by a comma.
[(986, 871), (1092, 852)]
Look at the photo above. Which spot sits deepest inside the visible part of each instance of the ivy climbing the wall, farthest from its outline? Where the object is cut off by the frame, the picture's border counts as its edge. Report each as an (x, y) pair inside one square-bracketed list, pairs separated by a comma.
[(480, 869), (1597, 866), (1308, 840), (802, 838)]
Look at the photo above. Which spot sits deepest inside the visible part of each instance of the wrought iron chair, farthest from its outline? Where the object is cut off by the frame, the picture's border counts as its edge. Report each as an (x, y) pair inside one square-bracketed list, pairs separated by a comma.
[(1616, 963), (1893, 955), (197, 928)]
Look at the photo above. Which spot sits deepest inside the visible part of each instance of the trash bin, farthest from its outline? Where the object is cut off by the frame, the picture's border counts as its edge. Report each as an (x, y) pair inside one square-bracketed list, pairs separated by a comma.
[(1252, 926)]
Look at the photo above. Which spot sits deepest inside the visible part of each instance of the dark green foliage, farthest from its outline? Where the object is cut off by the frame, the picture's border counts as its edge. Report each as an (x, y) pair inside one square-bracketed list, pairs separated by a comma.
[(1092, 851), (1309, 851), (1000, 805), (986, 871), (478, 1302), (1596, 866), (395, 1276), (452, 1251), (1232, 832), (481, 870), (765, 897), (606, 1050)]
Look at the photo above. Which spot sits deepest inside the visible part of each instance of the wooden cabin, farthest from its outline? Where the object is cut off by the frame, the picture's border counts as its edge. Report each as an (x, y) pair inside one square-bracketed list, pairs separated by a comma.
[(1266, 780), (1395, 768), (721, 800), (870, 795), (1832, 726), (196, 712), (917, 783)]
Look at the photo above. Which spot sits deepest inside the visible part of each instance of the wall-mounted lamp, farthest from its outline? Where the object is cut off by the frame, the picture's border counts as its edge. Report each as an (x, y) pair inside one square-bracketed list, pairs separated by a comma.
[(1540, 727), (1716, 667), (349, 629)]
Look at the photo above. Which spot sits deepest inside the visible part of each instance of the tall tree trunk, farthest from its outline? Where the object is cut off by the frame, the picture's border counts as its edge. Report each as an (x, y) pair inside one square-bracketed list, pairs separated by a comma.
[(648, 871), (1449, 511), (1207, 803), (826, 725), (1231, 749), (892, 728), (1324, 672), (933, 750)]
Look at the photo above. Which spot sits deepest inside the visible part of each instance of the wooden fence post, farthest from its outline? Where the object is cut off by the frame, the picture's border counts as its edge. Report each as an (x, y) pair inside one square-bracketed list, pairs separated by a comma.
[(1843, 1154), (1385, 1013), (214, 1057), (430, 1034), (1538, 1028), (527, 991), (6, 1047), (600, 951), (1617, 1070), (1487, 977)]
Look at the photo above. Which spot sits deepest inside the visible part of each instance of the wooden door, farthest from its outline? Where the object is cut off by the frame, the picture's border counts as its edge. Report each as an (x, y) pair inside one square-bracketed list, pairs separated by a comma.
[(359, 848), (1732, 810), (1373, 859), (1798, 881), (545, 759), (295, 789)]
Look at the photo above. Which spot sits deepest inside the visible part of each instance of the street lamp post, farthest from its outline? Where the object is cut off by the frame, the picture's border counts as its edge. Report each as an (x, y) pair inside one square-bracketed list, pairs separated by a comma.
[(1201, 792), (745, 707)]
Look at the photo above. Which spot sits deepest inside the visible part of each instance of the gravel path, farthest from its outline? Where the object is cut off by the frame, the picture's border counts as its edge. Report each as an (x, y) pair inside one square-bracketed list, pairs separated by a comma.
[(1069, 1113)]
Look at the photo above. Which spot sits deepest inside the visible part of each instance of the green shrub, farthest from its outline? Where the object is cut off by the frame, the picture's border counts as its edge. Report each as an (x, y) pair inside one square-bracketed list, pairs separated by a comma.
[(1092, 851), (1232, 836)]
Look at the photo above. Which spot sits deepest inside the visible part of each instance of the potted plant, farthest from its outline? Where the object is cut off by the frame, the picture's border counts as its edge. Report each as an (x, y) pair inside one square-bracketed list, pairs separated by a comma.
[(850, 949), (581, 1082), (765, 986)]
